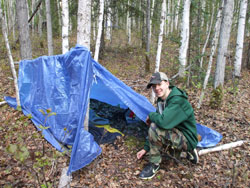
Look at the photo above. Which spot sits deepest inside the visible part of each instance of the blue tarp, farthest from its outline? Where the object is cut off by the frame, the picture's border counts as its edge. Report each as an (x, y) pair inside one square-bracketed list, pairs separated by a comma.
[(64, 83)]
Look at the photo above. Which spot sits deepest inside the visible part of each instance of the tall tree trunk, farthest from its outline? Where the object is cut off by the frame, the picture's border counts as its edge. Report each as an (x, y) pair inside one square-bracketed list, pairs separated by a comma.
[(159, 46), (240, 38), (147, 65), (109, 21), (225, 30), (213, 50), (184, 37), (129, 24), (84, 23), (177, 10), (4, 30), (65, 26), (40, 21), (49, 28), (207, 39), (151, 16), (100, 29), (23, 28), (84, 35)]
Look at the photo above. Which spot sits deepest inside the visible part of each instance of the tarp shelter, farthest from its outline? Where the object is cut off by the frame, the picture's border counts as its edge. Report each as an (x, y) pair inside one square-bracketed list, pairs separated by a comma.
[(65, 83)]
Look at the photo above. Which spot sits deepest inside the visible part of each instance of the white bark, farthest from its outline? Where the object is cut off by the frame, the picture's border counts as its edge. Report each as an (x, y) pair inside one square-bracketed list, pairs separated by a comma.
[(129, 25), (213, 50), (84, 23), (49, 28), (84, 35), (151, 16), (222, 147), (159, 46), (109, 22), (167, 19), (177, 14), (172, 16), (223, 42), (208, 36), (65, 26), (240, 38), (99, 34), (4, 28), (203, 7), (184, 37), (40, 21)]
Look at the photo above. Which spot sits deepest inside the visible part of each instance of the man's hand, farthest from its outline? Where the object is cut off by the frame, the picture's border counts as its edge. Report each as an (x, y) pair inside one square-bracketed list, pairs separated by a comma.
[(141, 153), (148, 122)]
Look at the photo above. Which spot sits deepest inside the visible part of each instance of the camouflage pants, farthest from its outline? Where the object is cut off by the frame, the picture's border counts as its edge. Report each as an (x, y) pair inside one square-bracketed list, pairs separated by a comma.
[(160, 139)]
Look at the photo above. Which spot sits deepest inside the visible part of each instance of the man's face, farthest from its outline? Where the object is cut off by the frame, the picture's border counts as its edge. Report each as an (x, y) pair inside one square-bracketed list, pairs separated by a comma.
[(161, 90)]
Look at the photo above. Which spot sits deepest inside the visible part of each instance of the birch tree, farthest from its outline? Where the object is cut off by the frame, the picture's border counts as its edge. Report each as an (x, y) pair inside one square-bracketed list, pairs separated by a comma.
[(213, 50), (184, 37), (159, 46), (207, 39), (225, 30), (240, 38), (99, 33), (23, 28), (4, 31), (49, 28), (84, 23), (177, 14), (151, 16), (65, 26), (109, 21), (129, 24)]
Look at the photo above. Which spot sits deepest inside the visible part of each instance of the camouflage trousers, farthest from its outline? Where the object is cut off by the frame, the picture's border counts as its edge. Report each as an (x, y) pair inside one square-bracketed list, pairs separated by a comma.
[(162, 139)]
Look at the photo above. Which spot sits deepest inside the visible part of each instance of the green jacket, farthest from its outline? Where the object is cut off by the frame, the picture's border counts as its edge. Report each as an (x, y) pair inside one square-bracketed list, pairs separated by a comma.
[(178, 113)]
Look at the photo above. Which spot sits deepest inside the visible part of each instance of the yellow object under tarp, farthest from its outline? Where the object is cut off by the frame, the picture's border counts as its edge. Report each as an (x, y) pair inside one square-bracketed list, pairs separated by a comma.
[(110, 129)]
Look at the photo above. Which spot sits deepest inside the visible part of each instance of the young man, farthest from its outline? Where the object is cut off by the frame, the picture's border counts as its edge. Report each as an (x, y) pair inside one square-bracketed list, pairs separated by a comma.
[(172, 126)]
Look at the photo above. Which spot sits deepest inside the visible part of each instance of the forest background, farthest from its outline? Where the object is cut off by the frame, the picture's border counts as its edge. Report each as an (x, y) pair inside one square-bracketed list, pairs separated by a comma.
[(179, 37)]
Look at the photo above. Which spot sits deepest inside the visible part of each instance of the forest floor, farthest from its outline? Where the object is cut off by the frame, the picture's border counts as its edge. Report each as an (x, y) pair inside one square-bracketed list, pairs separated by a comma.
[(117, 166)]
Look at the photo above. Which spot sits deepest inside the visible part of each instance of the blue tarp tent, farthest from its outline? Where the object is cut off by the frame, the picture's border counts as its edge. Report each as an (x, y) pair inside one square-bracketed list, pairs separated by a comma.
[(65, 83)]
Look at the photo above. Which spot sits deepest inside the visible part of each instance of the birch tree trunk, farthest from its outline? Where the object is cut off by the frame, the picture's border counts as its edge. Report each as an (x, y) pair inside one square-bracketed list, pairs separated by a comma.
[(151, 16), (23, 28), (49, 28), (84, 23), (40, 21), (84, 34), (4, 30), (225, 30), (65, 26), (129, 24), (213, 50), (99, 33), (184, 37), (240, 38), (109, 22), (159, 46), (177, 14), (207, 39)]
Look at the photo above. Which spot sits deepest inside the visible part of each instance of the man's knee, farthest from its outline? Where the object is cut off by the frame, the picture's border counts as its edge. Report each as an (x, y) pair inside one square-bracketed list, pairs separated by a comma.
[(152, 134)]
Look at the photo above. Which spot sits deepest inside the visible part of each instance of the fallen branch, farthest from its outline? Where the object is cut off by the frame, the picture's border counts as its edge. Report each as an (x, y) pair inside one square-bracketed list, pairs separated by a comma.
[(222, 147), (2, 103)]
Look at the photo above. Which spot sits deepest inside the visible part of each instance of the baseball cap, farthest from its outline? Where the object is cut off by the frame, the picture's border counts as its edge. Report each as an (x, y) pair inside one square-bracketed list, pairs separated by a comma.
[(156, 78)]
